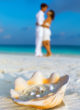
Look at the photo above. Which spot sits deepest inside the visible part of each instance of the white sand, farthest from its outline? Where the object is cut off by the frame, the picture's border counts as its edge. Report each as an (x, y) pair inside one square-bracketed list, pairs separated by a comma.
[(13, 66)]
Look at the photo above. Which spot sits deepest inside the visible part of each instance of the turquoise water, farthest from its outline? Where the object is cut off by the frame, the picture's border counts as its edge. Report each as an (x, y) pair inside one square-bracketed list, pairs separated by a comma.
[(75, 50)]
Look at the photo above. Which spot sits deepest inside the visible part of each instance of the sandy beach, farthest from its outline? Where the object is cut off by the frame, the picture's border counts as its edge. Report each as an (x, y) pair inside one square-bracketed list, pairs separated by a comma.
[(13, 66)]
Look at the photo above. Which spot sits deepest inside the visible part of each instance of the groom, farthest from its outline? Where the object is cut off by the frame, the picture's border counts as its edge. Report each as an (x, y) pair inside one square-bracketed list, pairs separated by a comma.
[(39, 29)]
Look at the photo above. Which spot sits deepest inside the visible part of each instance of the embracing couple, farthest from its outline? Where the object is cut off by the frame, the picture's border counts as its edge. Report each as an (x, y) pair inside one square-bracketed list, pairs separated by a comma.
[(43, 32)]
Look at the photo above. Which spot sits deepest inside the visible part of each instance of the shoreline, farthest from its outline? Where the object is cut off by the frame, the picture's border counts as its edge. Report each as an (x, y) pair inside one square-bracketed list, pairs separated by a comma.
[(32, 54)]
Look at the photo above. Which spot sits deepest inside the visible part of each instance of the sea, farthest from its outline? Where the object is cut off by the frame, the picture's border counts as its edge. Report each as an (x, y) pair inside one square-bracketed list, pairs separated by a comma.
[(30, 49)]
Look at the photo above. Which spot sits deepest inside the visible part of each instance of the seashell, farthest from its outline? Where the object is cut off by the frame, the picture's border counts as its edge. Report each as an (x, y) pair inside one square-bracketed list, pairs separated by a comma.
[(51, 87), (32, 93), (14, 94), (38, 95), (50, 99), (20, 84), (37, 78), (41, 89), (54, 78)]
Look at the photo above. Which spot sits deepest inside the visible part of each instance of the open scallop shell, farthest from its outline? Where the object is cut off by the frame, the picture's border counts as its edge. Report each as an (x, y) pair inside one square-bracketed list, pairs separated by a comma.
[(49, 100)]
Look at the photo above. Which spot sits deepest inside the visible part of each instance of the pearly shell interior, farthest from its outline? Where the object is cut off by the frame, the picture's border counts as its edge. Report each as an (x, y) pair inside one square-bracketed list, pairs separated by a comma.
[(37, 91)]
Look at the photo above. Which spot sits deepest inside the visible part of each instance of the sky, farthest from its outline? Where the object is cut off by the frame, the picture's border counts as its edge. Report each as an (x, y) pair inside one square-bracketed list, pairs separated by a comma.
[(18, 18)]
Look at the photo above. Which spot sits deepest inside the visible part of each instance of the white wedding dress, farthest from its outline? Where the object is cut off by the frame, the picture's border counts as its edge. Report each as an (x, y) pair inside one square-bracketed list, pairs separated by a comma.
[(46, 33)]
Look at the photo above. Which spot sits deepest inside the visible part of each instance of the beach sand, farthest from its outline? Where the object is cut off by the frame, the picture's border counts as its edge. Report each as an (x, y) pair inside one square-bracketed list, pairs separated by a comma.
[(13, 66)]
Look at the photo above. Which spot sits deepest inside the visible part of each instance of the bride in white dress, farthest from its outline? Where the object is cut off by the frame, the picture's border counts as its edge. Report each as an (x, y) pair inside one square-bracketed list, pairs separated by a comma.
[(47, 31)]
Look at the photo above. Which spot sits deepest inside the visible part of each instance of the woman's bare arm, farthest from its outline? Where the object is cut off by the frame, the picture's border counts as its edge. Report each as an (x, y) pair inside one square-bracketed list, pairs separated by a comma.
[(44, 24)]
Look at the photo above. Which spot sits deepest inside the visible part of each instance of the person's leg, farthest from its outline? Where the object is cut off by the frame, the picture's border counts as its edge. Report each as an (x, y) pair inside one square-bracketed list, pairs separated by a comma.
[(44, 44), (38, 51), (47, 46), (40, 45)]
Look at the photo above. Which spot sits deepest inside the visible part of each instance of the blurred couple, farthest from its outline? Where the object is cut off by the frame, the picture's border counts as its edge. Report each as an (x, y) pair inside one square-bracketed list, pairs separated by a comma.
[(43, 32)]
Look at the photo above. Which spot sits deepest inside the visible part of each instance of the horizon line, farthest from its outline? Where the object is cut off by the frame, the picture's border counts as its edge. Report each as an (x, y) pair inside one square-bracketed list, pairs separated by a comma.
[(34, 45)]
